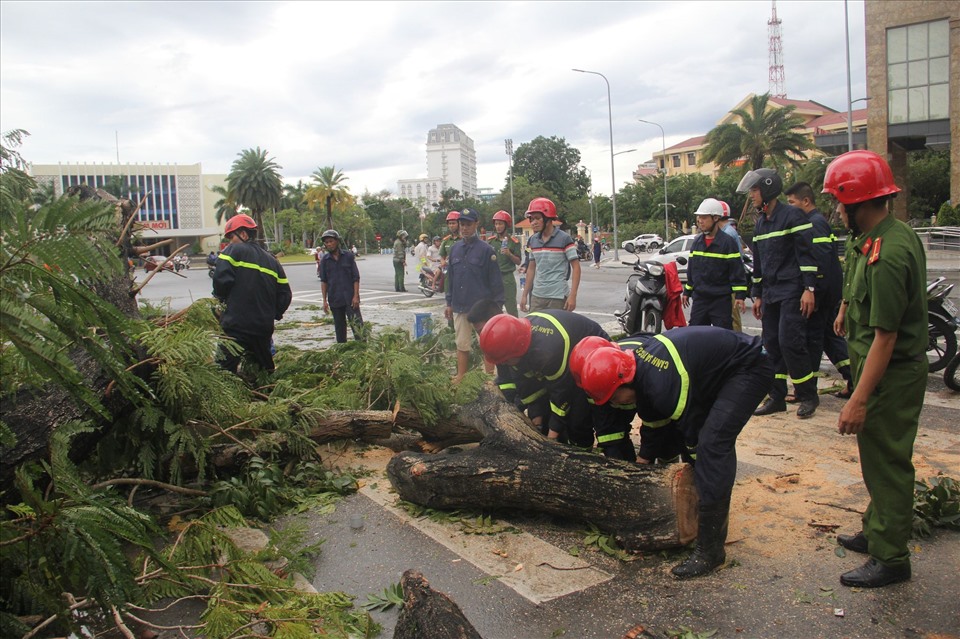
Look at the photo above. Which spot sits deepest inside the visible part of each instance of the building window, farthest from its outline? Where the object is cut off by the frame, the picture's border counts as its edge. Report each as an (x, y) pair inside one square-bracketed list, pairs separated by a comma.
[(676, 161), (918, 72), (691, 159), (660, 162)]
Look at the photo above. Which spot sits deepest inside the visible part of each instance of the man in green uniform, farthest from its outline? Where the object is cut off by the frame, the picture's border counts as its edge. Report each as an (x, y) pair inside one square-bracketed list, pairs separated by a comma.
[(400, 262), (884, 317), (508, 252)]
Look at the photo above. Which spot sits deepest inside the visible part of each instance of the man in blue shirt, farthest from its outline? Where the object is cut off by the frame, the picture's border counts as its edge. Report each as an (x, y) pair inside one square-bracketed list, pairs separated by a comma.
[(472, 275), (340, 285)]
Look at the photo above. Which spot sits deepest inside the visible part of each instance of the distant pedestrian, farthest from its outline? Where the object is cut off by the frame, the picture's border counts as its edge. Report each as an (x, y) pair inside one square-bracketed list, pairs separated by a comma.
[(400, 262), (472, 275), (597, 252), (340, 286)]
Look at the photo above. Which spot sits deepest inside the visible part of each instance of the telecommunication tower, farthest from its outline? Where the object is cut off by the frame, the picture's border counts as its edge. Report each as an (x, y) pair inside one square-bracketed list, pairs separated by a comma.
[(777, 81)]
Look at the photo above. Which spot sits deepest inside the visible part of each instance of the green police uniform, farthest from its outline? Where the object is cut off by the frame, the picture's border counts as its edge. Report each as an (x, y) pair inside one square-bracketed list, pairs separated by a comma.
[(885, 288), (445, 245), (507, 270)]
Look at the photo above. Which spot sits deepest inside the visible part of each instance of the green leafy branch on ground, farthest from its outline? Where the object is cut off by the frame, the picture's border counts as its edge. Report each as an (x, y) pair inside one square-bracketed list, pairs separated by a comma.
[(936, 503)]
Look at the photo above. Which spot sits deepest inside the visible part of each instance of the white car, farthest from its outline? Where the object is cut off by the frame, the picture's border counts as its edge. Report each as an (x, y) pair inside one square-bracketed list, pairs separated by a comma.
[(679, 247), (644, 242)]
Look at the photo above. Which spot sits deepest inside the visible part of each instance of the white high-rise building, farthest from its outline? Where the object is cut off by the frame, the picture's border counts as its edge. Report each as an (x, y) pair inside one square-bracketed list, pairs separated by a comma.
[(451, 164)]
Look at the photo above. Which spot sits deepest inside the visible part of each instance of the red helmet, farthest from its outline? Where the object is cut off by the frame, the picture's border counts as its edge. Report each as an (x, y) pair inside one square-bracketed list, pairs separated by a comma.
[(858, 176), (503, 216), (239, 221), (453, 215), (583, 350), (544, 206), (505, 337), (606, 370)]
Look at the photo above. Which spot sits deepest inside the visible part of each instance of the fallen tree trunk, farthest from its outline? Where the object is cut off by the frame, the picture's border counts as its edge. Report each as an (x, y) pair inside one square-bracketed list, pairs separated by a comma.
[(428, 614), (645, 507)]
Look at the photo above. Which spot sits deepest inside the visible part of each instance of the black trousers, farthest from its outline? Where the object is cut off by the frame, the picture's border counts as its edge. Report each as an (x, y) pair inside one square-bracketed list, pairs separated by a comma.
[(343, 315), (258, 346), (785, 338), (711, 311), (823, 340)]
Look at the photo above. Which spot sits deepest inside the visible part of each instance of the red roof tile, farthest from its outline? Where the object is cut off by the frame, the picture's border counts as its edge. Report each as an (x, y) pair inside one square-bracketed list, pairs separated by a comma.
[(831, 119)]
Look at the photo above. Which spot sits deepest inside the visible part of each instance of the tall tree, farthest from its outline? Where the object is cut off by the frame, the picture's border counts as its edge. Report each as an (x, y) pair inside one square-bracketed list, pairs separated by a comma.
[(226, 206), (328, 187), (554, 164), (254, 182), (764, 132), (294, 198)]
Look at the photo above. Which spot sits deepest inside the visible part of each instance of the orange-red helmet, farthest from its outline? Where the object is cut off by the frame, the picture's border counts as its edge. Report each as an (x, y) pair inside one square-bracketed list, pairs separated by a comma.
[(453, 215), (239, 221), (858, 176), (583, 350), (505, 337), (604, 371), (544, 206), (503, 216)]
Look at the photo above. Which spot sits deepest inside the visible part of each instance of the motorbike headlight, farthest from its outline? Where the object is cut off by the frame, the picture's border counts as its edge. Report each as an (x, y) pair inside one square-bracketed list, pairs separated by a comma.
[(655, 269)]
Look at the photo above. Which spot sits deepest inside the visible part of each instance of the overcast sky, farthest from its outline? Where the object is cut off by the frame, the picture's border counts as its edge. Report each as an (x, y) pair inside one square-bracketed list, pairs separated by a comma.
[(358, 84)]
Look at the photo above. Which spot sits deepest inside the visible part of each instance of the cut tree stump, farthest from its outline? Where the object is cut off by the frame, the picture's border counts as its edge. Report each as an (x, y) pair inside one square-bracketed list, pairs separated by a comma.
[(645, 507), (428, 614)]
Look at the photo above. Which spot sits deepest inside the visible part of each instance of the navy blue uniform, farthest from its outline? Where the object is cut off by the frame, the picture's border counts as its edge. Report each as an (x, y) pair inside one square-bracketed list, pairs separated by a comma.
[(703, 383), (473, 274), (784, 265), (256, 291), (542, 375), (339, 274), (820, 335), (713, 273)]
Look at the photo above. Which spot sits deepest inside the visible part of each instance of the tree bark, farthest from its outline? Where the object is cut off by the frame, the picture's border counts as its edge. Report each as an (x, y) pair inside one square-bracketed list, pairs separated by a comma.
[(428, 614), (645, 507)]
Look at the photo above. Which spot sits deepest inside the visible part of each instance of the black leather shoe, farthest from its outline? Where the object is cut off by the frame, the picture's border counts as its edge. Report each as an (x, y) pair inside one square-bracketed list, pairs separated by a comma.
[(856, 543), (808, 407), (771, 406), (873, 574)]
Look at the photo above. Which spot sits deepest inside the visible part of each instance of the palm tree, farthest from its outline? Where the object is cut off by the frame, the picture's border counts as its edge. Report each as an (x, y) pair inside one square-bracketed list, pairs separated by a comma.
[(226, 207), (255, 183), (294, 198), (763, 132), (328, 187)]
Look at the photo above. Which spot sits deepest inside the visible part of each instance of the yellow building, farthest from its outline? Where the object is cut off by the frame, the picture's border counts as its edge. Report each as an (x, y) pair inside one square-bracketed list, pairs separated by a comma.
[(177, 199)]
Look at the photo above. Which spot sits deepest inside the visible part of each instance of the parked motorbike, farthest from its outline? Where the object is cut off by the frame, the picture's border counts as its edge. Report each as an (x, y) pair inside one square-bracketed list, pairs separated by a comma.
[(951, 374), (645, 299), (943, 322), (432, 283), (210, 269)]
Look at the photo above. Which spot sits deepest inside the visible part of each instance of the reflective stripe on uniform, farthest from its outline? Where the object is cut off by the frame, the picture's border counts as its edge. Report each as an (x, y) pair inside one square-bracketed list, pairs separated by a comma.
[(508, 386), (557, 410), (529, 399), (255, 267), (566, 344), (682, 372), (722, 256), (612, 437), (803, 379), (772, 234)]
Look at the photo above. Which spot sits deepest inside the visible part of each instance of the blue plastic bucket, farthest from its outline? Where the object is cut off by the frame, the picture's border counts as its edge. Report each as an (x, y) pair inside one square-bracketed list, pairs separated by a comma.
[(423, 325)]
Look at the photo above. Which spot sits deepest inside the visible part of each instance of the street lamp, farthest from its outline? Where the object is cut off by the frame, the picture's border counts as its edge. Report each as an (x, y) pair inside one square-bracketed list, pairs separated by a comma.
[(406, 208), (850, 122), (508, 143), (613, 180), (666, 204)]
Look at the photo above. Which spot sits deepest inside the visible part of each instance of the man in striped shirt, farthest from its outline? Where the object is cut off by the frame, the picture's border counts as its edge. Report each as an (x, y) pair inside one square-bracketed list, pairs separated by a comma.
[(553, 261)]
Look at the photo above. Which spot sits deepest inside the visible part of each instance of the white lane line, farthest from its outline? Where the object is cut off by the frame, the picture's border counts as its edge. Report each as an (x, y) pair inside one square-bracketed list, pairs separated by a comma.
[(545, 571)]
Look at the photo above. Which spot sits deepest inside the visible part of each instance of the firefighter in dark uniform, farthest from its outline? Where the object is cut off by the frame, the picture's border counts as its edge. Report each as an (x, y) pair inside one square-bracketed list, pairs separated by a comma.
[(509, 255), (532, 356), (255, 289), (884, 317), (784, 281), (714, 271), (704, 382), (820, 336)]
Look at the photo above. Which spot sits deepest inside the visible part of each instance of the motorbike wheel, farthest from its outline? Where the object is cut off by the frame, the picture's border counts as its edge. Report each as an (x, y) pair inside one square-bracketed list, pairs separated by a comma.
[(951, 374), (210, 273), (650, 321), (943, 344), (653, 246)]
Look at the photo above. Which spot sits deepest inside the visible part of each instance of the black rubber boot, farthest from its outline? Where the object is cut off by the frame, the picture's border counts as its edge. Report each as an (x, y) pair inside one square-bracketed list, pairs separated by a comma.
[(771, 406), (711, 536)]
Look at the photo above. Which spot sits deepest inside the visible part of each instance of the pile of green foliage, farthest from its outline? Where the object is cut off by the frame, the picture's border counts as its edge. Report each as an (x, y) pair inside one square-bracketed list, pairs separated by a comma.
[(99, 541)]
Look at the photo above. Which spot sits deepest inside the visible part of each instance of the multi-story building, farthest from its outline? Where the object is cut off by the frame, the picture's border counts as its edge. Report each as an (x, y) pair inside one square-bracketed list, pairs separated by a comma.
[(451, 164), (177, 199), (913, 62)]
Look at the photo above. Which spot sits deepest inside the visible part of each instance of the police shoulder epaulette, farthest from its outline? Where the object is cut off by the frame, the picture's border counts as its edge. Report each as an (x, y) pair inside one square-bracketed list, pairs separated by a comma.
[(875, 253)]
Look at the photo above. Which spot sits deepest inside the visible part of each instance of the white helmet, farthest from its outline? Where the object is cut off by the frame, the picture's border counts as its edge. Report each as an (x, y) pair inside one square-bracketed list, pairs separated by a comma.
[(710, 206)]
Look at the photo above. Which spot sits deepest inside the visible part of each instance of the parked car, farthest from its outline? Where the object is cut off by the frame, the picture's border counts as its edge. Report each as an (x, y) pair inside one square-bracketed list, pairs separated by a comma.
[(680, 247), (644, 242), (153, 262)]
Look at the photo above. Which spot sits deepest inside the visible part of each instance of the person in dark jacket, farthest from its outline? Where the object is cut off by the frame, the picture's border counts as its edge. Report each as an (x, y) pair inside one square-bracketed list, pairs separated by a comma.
[(255, 289), (701, 383), (784, 281), (715, 270), (340, 286)]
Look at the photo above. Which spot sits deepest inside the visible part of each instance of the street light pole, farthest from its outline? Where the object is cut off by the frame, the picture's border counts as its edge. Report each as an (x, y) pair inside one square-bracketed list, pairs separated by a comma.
[(509, 146), (613, 180), (666, 203)]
